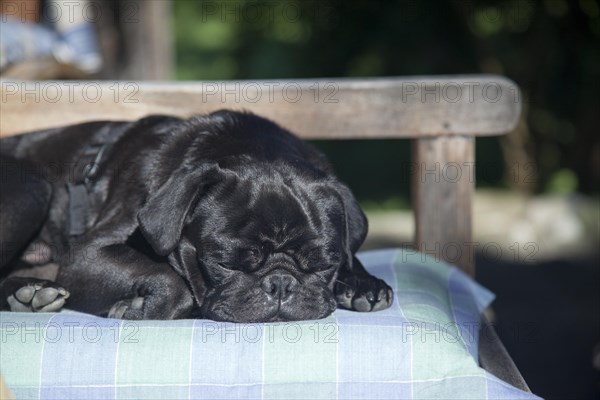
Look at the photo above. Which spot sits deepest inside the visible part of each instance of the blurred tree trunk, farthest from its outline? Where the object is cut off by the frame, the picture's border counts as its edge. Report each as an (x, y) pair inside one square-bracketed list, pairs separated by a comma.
[(149, 40), (137, 42)]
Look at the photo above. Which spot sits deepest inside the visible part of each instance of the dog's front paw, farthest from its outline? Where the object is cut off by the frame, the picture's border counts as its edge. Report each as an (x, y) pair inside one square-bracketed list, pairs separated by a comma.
[(363, 293), (39, 296), (127, 309)]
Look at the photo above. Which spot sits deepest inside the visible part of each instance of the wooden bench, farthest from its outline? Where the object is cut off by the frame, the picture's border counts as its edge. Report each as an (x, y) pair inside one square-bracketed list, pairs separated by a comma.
[(441, 115)]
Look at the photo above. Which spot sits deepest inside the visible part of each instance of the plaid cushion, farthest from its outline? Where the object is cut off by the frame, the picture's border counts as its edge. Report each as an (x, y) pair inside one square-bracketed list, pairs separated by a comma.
[(424, 346)]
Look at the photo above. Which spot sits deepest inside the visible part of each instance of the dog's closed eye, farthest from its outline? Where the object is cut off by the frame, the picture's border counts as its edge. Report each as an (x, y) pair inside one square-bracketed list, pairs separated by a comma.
[(252, 258)]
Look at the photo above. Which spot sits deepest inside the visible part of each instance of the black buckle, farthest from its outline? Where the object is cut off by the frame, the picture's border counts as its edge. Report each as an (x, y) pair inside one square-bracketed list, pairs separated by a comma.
[(87, 167)]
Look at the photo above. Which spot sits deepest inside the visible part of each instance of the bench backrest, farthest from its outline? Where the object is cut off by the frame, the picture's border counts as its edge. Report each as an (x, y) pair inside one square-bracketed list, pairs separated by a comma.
[(441, 114)]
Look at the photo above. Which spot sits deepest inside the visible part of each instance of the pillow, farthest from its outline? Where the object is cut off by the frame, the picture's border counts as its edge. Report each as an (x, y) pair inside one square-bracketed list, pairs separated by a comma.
[(423, 346)]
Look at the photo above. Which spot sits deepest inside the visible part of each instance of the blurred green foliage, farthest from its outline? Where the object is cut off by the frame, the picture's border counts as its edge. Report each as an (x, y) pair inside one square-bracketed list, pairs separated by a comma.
[(550, 48)]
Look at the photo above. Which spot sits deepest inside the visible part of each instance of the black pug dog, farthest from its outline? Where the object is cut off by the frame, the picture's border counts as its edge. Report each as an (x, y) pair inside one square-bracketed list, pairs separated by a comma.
[(224, 216)]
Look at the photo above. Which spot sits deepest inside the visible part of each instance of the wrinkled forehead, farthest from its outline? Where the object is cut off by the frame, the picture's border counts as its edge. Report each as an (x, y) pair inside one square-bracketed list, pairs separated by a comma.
[(270, 205)]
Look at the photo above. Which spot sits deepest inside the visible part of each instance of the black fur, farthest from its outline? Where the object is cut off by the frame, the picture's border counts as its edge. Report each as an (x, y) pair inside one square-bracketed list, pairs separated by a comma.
[(225, 216)]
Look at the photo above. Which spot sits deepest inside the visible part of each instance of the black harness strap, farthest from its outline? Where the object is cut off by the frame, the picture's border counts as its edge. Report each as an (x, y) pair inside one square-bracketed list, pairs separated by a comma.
[(78, 209), (86, 171)]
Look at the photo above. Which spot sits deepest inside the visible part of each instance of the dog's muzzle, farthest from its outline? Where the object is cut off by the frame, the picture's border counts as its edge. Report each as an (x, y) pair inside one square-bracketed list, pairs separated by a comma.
[(279, 286)]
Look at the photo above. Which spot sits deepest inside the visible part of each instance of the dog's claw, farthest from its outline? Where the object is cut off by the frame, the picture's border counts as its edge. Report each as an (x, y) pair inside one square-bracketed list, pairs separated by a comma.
[(124, 309)]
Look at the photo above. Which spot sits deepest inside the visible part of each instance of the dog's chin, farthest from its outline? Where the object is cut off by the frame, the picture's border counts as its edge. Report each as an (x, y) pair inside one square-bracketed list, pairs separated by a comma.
[(260, 313)]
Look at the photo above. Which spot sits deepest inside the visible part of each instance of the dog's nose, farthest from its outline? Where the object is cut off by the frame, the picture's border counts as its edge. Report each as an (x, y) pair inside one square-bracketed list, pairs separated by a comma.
[(279, 285)]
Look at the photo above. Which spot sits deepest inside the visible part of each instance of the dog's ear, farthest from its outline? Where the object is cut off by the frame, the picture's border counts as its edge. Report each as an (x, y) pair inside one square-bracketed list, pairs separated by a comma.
[(163, 216), (355, 221), (184, 260)]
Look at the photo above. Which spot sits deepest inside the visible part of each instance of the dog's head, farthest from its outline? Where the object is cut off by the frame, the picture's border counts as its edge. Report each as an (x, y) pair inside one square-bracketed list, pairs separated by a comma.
[(258, 237)]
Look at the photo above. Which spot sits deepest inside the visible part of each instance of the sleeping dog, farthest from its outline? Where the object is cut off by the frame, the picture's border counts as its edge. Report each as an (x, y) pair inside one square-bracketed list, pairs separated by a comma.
[(225, 216)]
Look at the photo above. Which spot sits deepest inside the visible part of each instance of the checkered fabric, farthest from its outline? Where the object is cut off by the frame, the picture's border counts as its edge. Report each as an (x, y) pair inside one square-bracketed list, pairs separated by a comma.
[(424, 346)]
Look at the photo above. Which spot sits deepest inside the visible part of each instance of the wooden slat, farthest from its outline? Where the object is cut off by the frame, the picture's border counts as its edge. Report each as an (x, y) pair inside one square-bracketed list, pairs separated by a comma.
[(443, 183), (313, 109)]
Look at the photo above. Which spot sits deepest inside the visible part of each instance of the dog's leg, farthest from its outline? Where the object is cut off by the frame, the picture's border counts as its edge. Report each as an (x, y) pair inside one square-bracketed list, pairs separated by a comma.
[(360, 291), (121, 282), (24, 201)]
